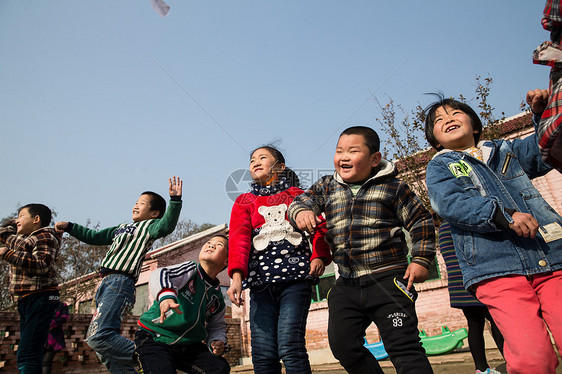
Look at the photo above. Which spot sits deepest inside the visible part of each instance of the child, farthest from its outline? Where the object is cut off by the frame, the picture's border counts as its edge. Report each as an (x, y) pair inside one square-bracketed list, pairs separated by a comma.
[(475, 312), (189, 308), (55, 340), (120, 270), (507, 238), (273, 259), (367, 210), (31, 248), (550, 53)]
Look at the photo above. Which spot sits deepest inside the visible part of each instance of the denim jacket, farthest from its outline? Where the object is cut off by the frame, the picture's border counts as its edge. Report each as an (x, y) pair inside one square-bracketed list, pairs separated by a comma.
[(478, 198)]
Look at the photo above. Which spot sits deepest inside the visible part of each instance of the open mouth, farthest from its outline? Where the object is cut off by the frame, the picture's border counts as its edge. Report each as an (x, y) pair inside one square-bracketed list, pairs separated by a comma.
[(451, 128), (346, 166)]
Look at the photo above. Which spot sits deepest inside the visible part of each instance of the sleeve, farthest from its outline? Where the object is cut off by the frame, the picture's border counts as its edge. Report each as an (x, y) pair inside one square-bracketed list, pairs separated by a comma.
[(165, 282), (6, 230), (321, 248), (216, 327), (167, 224), (458, 201), (313, 199), (240, 237), (92, 237), (528, 153), (39, 260), (417, 220)]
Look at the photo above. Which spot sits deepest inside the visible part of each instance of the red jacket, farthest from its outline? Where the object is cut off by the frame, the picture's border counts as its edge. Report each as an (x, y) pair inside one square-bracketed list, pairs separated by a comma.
[(245, 218)]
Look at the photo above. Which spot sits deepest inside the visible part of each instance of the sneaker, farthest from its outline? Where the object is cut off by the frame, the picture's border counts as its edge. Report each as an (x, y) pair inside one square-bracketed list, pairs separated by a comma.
[(488, 371)]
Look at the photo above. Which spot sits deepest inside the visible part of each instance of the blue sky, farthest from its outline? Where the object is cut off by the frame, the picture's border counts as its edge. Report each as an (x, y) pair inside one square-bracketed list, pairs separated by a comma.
[(101, 100)]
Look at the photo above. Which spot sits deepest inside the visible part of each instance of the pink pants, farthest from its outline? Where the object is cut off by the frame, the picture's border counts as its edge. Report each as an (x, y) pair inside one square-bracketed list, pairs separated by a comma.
[(523, 307)]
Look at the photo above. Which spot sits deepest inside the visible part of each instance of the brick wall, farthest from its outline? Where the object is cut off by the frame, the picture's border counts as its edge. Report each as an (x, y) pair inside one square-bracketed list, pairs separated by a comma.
[(78, 357)]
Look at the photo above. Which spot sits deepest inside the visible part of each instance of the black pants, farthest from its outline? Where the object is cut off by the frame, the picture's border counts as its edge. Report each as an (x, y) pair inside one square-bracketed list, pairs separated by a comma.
[(354, 304), (159, 358), (476, 317)]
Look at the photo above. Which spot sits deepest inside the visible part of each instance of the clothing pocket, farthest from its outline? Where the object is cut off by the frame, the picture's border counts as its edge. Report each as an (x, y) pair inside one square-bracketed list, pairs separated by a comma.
[(510, 167), (412, 294), (467, 248)]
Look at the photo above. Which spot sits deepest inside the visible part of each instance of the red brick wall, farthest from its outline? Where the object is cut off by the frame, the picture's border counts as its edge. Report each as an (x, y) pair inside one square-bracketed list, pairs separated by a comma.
[(78, 357)]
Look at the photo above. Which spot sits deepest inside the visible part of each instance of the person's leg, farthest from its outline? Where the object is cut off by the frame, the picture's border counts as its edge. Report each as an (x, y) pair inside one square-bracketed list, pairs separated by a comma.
[(347, 323), (36, 312), (197, 359), (496, 333), (48, 356), (114, 299), (264, 313), (549, 291), (476, 322), (153, 357), (294, 303), (396, 318), (515, 307)]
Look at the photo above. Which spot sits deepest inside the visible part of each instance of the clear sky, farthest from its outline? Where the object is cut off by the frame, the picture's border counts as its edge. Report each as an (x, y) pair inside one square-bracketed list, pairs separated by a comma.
[(101, 100)]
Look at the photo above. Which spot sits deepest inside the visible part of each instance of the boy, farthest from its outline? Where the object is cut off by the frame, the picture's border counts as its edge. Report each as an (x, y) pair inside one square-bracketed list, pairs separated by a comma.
[(507, 238), (120, 270), (366, 210), (31, 249), (189, 308)]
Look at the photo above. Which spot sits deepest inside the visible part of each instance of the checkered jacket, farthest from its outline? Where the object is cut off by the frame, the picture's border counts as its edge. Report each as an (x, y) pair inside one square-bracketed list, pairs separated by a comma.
[(365, 231), (31, 259)]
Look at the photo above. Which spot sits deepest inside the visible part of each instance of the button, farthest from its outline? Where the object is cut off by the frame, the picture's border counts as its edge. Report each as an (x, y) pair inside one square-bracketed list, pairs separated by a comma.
[(542, 263)]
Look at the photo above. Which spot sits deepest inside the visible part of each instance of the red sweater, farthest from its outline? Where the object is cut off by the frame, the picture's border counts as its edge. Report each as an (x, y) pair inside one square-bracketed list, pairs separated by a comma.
[(245, 218)]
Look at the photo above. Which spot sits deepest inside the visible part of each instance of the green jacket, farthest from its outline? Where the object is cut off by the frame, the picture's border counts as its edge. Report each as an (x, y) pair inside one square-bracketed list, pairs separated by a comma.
[(200, 300)]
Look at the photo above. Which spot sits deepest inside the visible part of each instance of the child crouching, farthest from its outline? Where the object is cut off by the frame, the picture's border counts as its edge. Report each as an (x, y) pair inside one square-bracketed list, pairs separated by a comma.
[(189, 309)]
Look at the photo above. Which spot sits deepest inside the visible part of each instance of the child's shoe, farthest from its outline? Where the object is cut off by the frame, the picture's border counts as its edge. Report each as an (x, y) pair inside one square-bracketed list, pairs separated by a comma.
[(488, 371)]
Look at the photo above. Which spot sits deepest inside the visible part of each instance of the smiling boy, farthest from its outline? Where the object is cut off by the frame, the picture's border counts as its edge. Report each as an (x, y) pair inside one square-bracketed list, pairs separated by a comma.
[(31, 249), (367, 211), (120, 270), (189, 308)]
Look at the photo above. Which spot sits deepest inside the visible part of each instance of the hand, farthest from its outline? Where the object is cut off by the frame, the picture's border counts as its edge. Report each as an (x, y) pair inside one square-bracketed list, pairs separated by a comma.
[(415, 273), (175, 186), (306, 220), (537, 100), (61, 226), (316, 267), (217, 347), (524, 225), (166, 305), (2, 251), (235, 290)]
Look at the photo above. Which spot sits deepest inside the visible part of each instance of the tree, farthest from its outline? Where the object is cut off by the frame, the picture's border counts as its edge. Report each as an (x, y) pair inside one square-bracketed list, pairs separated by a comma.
[(184, 228), (406, 143), (6, 302)]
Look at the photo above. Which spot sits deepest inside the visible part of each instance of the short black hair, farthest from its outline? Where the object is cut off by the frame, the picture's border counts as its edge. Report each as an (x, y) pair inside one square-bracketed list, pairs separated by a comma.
[(221, 236), (44, 213), (157, 202), (453, 104), (371, 137)]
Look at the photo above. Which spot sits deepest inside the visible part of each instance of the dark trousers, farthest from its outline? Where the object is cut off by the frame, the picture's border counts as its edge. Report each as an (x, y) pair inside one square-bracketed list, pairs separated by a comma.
[(476, 317), (159, 358), (36, 312), (354, 304)]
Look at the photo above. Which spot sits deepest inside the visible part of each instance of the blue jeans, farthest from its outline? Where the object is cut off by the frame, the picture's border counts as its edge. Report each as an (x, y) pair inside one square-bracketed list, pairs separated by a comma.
[(36, 313), (115, 297), (278, 315)]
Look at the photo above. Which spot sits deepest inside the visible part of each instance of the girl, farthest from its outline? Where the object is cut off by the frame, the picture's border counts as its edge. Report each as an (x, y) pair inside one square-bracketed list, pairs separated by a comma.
[(507, 238), (272, 259)]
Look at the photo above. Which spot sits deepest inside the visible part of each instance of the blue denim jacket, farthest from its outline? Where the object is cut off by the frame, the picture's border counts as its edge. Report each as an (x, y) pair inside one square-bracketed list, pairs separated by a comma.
[(477, 199)]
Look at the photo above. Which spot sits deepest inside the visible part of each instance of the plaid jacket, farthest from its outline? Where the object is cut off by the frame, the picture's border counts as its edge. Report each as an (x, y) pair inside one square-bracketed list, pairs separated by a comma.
[(365, 232), (31, 259)]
